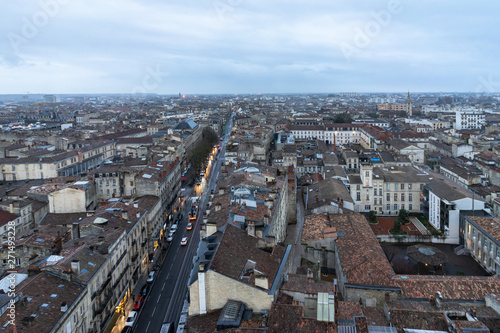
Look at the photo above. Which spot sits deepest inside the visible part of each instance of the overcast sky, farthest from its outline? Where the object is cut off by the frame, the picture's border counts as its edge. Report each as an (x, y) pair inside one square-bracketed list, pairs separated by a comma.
[(248, 46)]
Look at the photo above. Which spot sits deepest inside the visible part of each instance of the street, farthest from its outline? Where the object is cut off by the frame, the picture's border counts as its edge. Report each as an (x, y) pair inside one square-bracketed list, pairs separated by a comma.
[(169, 289)]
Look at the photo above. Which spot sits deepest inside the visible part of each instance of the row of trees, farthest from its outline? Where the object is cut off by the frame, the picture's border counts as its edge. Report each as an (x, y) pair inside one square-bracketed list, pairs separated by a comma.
[(201, 150)]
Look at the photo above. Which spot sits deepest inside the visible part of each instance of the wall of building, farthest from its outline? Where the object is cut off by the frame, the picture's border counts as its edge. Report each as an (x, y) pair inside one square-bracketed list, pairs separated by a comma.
[(67, 200), (220, 289)]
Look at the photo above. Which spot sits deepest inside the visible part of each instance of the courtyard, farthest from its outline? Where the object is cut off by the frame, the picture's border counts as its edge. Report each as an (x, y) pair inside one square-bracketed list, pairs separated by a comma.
[(455, 265)]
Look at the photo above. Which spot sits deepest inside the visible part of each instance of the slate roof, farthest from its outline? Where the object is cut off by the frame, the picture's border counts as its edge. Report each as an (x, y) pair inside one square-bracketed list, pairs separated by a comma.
[(446, 189), (363, 260), (236, 248)]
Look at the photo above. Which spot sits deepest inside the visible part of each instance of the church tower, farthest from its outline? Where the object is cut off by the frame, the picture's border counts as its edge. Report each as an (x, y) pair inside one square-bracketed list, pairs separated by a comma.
[(408, 106)]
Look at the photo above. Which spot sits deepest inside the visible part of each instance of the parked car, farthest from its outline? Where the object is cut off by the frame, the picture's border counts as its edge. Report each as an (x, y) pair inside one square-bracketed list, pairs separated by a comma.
[(173, 228), (138, 303), (170, 237), (144, 290), (132, 316), (184, 241), (151, 277)]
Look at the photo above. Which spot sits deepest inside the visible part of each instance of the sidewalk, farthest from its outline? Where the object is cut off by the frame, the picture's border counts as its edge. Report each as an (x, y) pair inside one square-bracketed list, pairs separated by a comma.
[(120, 323)]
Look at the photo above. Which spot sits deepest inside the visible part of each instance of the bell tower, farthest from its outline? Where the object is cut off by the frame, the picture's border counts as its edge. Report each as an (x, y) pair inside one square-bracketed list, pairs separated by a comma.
[(408, 106)]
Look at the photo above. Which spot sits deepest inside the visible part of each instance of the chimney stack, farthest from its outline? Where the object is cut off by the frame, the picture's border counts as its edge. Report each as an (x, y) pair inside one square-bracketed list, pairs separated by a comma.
[(439, 299), (251, 229), (125, 214), (64, 307), (75, 231), (75, 266)]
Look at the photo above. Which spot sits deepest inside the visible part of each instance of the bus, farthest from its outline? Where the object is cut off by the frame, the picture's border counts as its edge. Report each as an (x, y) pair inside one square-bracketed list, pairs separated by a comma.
[(167, 328)]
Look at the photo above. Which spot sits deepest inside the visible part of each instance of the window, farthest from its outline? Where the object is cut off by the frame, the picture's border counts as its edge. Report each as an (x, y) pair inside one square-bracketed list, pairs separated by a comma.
[(395, 187), (358, 187), (358, 196), (13, 168), (410, 197), (402, 197), (395, 197), (388, 197), (388, 207), (409, 186), (388, 187), (402, 206), (402, 186), (367, 208), (421, 187), (396, 207), (410, 207), (380, 191), (367, 196)]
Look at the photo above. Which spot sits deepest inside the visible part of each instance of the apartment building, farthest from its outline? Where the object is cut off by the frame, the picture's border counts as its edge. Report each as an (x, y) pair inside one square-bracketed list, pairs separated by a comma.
[(469, 119), (60, 165), (387, 190), (443, 202), (482, 237)]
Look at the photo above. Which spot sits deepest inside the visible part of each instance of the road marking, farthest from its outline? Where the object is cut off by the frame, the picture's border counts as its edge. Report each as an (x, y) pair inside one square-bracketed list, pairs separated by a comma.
[(164, 284), (153, 312), (147, 328), (158, 301)]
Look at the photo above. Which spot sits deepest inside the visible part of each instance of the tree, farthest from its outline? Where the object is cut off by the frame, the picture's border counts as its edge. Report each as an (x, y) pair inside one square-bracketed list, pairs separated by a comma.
[(199, 153), (342, 118), (403, 216), (396, 228), (372, 217)]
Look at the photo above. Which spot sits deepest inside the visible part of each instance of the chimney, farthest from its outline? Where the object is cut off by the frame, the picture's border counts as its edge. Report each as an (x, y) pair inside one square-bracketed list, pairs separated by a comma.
[(75, 231), (138, 214), (309, 275), (201, 267), (125, 214), (64, 307), (251, 229), (221, 191), (11, 208), (136, 205), (164, 172), (75, 266), (218, 206), (439, 299)]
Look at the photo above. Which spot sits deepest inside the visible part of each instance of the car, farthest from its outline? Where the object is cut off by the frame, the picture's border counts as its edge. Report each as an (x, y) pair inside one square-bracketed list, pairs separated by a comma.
[(144, 290), (173, 228), (170, 237), (189, 226), (184, 241), (151, 277), (132, 316), (138, 303)]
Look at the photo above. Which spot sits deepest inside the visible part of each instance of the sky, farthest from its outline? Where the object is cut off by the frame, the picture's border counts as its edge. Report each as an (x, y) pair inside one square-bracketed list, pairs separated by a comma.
[(243, 46)]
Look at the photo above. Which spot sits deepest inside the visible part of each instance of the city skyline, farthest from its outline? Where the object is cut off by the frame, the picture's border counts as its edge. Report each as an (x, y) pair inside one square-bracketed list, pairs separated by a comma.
[(234, 46)]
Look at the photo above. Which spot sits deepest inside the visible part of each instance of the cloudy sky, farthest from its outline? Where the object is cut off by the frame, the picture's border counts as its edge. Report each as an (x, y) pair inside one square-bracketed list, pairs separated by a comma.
[(248, 46)]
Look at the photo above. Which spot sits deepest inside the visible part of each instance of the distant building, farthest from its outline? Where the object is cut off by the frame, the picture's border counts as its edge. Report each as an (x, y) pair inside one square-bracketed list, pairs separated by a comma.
[(469, 119)]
